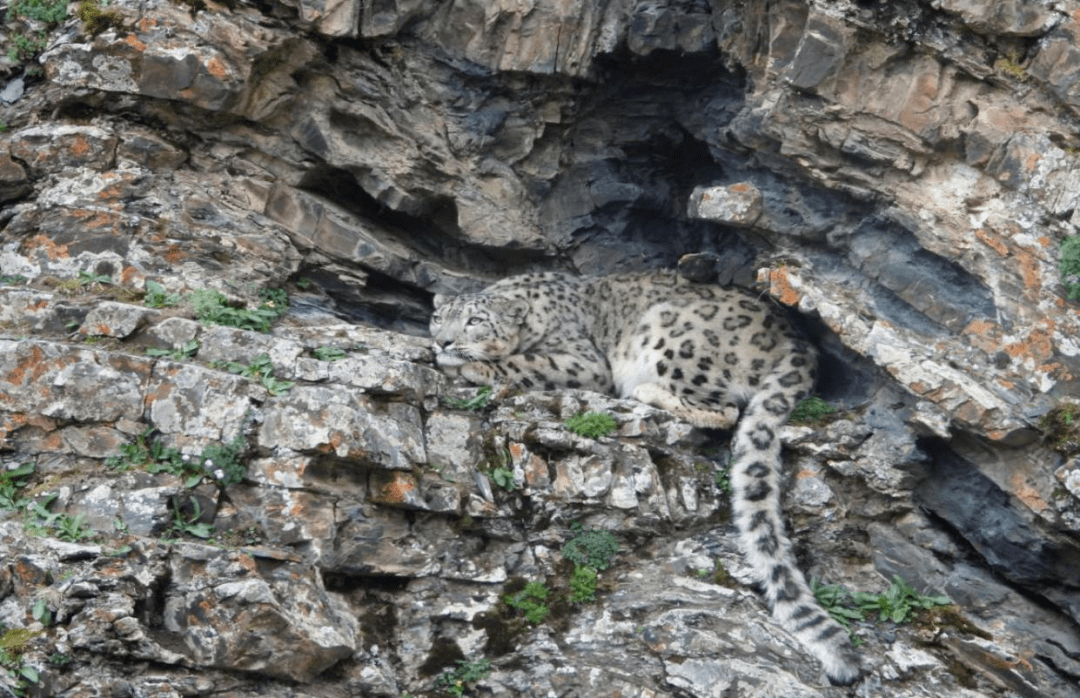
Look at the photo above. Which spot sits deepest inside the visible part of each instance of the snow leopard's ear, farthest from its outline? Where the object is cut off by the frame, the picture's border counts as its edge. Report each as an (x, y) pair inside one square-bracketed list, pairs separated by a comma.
[(439, 300), (516, 308)]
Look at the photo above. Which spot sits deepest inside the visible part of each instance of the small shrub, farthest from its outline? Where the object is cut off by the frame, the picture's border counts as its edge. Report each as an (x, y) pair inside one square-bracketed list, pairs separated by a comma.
[(583, 584), (1069, 266), (592, 425), (810, 411), (530, 600), (593, 549), (47, 11)]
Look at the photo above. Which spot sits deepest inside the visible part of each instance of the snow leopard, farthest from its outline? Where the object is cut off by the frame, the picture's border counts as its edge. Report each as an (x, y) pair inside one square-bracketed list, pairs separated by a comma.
[(712, 356)]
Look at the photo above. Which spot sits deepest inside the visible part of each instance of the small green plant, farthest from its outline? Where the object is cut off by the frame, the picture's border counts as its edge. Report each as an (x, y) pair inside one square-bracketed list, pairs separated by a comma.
[(811, 411), (592, 425), (260, 369), (13, 643), (157, 297), (180, 353), (583, 584), (530, 600), (11, 482), (723, 478), (329, 353), (24, 47), (221, 462), (1069, 266), (836, 600), (41, 612), (85, 278), (504, 478), (590, 548), (212, 307), (189, 525), (457, 681), (60, 659), (17, 278), (73, 528), (898, 603), (477, 402)]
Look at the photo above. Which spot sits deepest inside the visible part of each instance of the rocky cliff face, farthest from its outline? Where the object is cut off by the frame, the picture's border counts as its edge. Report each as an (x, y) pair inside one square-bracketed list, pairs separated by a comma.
[(231, 469)]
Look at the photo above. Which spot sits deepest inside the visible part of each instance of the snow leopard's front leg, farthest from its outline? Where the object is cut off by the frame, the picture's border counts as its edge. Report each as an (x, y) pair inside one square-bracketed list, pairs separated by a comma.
[(577, 365)]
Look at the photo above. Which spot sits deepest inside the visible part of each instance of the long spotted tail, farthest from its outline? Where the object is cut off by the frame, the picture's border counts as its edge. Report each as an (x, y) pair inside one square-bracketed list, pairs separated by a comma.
[(755, 479)]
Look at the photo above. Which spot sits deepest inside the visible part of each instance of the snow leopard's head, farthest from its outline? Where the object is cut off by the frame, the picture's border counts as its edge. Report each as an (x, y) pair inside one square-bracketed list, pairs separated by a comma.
[(476, 327)]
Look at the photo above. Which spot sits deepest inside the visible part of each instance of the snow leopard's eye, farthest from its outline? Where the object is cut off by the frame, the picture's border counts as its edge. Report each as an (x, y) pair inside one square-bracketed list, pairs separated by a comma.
[(474, 321)]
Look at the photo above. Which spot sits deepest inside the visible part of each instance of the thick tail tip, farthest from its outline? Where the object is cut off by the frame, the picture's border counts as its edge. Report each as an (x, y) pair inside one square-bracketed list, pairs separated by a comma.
[(843, 667)]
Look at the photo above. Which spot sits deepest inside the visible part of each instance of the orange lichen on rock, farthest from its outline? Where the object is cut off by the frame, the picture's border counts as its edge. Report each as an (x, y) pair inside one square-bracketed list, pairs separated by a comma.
[(174, 255), (53, 250), (780, 286), (992, 241), (1038, 345), (216, 67), (80, 147), (396, 491), (983, 334), (33, 364), (133, 41), (1029, 269), (1027, 494)]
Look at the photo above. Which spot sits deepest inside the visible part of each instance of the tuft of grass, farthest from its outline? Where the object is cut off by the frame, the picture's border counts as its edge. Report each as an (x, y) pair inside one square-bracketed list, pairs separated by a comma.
[(1069, 266), (1061, 428), (96, 20), (477, 402), (812, 410), (592, 425), (328, 353)]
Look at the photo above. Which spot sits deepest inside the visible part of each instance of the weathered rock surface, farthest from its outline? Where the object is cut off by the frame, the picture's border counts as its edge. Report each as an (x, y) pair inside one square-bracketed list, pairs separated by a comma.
[(901, 176)]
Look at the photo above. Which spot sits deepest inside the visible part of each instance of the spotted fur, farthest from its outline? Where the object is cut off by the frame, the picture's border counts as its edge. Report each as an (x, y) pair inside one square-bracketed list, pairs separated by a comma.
[(709, 355)]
